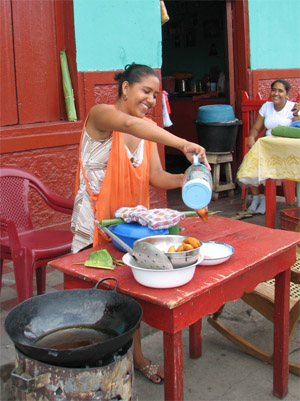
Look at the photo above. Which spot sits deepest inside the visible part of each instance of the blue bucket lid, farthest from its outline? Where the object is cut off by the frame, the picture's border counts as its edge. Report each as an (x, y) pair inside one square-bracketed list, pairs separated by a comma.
[(215, 113), (196, 195)]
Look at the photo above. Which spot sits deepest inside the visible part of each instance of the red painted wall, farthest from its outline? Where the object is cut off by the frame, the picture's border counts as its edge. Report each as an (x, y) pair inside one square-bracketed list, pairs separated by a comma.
[(262, 80), (35, 135), (56, 167)]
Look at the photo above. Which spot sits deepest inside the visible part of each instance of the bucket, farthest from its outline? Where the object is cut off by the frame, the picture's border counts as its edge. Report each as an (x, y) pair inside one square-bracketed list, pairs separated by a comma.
[(218, 137), (197, 185)]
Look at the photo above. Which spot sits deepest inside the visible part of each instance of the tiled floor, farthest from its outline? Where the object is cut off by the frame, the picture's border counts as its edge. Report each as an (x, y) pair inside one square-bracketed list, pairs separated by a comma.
[(8, 291)]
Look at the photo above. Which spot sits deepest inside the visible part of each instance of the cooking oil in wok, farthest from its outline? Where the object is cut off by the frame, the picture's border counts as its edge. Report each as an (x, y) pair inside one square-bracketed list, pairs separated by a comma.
[(70, 337)]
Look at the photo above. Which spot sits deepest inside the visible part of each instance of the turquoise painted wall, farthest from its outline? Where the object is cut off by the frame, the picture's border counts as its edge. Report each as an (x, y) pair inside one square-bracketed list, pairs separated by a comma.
[(112, 33), (274, 28)]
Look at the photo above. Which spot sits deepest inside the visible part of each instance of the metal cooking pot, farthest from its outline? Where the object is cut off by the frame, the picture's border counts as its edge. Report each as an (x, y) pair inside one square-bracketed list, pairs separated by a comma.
[(73, 327)]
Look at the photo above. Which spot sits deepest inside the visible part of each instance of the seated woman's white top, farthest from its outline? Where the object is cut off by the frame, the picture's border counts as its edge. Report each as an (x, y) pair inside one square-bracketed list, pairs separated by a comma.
[(274, 118)]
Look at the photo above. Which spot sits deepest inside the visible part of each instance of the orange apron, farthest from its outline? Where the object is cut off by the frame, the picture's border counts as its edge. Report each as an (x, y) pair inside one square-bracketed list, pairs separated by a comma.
[(123, 185)]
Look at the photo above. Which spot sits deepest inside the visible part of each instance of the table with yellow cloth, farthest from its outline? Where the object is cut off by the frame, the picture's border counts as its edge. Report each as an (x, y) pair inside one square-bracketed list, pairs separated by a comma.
[(271, 158)]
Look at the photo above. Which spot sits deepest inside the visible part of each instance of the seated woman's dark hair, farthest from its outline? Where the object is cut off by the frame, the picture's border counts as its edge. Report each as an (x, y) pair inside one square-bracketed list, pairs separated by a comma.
[(133, 73), (285, 83)]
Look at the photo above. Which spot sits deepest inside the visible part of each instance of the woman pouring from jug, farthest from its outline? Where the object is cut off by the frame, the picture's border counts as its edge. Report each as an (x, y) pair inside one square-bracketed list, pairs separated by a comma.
[(118, 161)]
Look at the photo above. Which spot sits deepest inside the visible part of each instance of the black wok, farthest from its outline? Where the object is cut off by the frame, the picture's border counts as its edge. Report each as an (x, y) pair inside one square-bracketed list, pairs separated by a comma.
[(111, 317)]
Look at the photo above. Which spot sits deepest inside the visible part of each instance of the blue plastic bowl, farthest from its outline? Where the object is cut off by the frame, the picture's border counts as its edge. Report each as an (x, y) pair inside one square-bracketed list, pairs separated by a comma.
[(130, 232), (215, 113)]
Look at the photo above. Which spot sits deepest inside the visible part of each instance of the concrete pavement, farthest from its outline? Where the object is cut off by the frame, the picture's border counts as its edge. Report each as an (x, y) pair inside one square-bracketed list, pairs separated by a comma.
[(224, 372)]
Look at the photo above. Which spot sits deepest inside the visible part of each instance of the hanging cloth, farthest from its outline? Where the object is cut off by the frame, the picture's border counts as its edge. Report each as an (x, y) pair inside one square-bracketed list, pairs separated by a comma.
[(123, 185), (166, 110)]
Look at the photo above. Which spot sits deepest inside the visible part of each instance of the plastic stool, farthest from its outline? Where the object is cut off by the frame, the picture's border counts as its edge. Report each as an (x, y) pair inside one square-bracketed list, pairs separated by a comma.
[(216, 159)]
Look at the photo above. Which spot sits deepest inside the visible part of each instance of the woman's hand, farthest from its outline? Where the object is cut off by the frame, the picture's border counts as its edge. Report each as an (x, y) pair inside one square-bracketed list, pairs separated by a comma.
[(251, 141), (191, 149), (296, 109), (296, 112), (255, 130)]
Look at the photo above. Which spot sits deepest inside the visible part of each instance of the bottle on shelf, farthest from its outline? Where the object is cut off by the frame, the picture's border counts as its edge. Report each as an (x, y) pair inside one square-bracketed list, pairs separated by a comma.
[(208, 85)]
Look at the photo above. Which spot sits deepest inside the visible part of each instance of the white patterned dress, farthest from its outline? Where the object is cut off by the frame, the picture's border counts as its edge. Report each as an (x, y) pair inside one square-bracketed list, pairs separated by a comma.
[(94, 155)]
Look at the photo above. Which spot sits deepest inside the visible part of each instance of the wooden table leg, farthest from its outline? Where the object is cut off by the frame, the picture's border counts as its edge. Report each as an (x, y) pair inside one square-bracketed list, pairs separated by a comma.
[(195, 339), (281, 334), (173, 367), (289, 188), (270, 203)]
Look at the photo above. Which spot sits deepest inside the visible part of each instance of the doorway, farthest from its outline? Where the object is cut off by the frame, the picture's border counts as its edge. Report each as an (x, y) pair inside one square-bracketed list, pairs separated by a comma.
[(197, 41)]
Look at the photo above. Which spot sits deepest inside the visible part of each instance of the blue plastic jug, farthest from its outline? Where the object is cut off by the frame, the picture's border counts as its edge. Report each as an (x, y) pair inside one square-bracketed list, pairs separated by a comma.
[(197, 185)]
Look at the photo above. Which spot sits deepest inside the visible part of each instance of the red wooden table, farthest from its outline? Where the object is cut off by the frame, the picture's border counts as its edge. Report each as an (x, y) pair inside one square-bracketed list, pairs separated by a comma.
[(260, 253)]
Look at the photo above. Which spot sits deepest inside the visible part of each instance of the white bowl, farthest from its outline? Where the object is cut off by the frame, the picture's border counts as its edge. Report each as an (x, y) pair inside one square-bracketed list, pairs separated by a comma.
[(161, 278), (215, 253)]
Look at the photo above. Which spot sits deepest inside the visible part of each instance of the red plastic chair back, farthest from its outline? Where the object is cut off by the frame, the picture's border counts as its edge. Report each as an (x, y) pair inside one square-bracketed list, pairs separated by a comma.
[(14, 201), (29, 249)]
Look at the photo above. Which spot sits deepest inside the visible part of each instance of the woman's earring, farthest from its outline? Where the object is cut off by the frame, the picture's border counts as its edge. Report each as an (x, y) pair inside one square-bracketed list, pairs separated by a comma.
[(125, 98)]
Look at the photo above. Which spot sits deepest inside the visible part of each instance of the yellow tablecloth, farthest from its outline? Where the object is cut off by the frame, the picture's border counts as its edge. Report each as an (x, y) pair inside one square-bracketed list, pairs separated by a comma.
[(271, 157)]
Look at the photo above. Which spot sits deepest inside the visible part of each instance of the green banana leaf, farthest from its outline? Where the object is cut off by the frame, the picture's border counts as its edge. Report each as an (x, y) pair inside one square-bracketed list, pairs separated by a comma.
[(101, 259), (67, 87)]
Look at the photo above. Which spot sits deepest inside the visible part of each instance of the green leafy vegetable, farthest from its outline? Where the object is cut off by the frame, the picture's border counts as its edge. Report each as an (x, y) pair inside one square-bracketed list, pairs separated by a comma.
[(100, 259)]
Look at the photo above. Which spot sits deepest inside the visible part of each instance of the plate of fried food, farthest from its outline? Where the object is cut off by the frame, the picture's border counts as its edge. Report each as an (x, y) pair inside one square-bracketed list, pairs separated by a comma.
[(181, 250)]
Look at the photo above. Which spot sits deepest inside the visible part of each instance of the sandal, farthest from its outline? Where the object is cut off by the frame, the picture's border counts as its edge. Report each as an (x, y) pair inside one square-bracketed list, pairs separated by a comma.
[(242, 215), (150, 371)]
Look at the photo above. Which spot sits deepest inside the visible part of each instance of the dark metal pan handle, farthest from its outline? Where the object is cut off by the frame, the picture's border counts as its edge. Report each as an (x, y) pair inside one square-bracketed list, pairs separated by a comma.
[(107, 278)]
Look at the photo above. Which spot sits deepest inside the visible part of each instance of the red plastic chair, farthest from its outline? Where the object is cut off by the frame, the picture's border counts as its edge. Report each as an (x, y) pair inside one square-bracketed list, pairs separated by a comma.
[(29, 249)]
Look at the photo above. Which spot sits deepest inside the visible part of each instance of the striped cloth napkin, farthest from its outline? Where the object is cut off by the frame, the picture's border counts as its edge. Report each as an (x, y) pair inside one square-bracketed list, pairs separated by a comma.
[(153, 218)]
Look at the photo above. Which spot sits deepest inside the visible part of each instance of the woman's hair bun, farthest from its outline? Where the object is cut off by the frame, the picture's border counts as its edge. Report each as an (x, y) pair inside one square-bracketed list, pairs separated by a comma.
[(133, 73)]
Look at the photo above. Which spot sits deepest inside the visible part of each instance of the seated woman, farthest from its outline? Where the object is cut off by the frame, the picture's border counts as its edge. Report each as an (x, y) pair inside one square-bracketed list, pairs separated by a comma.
[(278, 111)]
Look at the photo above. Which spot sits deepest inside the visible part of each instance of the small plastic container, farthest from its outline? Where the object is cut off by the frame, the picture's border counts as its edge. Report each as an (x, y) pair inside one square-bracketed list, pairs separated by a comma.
[(289, 218), (197, 185)]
